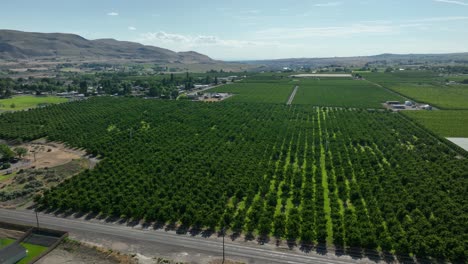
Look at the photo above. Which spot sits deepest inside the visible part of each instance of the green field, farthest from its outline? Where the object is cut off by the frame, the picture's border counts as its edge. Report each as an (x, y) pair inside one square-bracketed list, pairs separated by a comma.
[(342, 93), (28, 101), (444, 123), (33, 251), (5, 242), (258, 91), (404, 77), (424, 87), (441, 96)]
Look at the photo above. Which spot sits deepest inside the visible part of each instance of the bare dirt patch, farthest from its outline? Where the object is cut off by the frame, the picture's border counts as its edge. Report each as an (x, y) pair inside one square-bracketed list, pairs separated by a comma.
[(79, 253), (9, 233), (46, 165), (50, 154)]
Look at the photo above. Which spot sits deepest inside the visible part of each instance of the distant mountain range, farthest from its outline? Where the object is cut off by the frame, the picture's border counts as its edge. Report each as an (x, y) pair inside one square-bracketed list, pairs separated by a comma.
[(377, 60), (29, 46), (18, 45)]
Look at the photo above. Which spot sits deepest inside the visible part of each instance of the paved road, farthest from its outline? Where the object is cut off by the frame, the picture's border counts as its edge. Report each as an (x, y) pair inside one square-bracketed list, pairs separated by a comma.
[(161, 242)]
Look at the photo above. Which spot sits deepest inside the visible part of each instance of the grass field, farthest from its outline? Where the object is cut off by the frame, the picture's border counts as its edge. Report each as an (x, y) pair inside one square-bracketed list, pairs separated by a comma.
[(442, 96), (33, 251), (5, 242), (28, 101), (258, 92), (343, 93), (424, 87), (443, 123), (404, 77)]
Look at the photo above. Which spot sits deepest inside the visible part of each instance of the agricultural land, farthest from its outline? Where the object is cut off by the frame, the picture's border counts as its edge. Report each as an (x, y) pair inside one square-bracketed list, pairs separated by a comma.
[(314, 162), (312, 175), (28, 101)]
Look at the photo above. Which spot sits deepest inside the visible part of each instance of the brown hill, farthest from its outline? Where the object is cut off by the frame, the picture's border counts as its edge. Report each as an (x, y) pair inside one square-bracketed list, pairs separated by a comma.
[(18, 45)]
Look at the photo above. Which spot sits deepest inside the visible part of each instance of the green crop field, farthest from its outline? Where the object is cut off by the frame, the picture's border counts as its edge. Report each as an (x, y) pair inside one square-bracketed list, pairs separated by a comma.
[(28, 101), (404, 77), (258, 91), (444, 123), (442, 96), (343, 93), (335, 176), (424, 87)]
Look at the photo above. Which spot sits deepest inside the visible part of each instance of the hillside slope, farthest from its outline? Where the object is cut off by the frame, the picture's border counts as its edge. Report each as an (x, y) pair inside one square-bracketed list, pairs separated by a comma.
[(18, 45)]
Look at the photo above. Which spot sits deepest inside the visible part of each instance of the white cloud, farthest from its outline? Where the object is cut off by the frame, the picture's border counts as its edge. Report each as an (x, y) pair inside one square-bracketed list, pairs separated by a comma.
[(112, 14), (452, 2), (188, 41), (217, 47), (329, 4), (131, 28)]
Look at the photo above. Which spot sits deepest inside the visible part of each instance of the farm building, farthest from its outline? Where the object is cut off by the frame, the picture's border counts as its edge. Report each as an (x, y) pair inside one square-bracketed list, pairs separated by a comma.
[(392, 102), (408, 103), (12, 253)]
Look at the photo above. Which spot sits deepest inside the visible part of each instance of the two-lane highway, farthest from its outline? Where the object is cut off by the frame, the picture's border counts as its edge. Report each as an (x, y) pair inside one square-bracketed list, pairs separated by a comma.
[(168, 243)]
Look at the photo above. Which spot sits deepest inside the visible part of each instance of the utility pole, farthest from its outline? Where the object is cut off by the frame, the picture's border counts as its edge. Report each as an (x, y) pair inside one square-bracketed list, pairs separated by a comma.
[(224, 233), (37, 218)]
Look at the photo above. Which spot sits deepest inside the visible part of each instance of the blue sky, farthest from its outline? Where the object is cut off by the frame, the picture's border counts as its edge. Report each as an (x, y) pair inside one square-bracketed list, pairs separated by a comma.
[(254, 29)]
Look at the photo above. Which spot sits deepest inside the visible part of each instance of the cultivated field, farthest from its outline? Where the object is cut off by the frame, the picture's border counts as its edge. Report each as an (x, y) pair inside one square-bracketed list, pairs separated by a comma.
[(312, 175), (343, 93), (258, 91), (424, 87), (28, 101), (442, 96), (444, 123)]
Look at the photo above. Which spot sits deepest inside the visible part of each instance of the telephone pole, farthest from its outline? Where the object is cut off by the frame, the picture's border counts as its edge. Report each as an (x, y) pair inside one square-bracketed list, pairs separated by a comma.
[(224, 233), (37, 218)]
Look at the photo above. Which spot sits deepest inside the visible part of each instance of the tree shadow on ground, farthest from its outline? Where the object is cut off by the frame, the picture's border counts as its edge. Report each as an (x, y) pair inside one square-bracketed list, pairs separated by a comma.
[(207, 233), (146, 225), (79, 214), (92, 216), (354, 252), (373, 255), (249, 237), (195, 231), (291, 244), (158, 225), (306, 247), (234, 236), (339, 250), (133, 222), (111, 219), (407, 259), (388, 257), (321, 248), (122, 220), (170, 227), (182, 230), (263, 240)]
